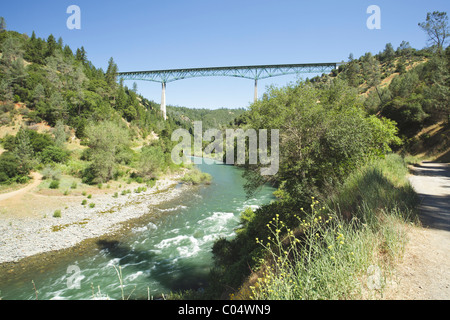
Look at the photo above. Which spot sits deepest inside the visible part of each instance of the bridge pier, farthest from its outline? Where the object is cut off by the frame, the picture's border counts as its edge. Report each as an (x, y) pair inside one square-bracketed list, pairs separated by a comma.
[(163, 100), (256, 90)]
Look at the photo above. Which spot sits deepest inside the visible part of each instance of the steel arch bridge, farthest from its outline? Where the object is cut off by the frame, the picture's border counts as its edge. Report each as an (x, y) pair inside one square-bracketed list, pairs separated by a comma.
[(248, 72)]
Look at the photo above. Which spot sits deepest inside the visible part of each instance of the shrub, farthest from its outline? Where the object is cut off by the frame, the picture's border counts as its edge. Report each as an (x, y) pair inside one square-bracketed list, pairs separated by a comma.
[(150, 183), (84, 202), (91, 205), (54, 184), (54, 154), (51, 173), (195, 176), (40, 141), (57, 214), (73, 185), (10, 167)]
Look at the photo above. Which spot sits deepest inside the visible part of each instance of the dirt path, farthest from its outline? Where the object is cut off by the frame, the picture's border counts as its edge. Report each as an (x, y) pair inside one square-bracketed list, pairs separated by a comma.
[(37, 178), (425, 270)]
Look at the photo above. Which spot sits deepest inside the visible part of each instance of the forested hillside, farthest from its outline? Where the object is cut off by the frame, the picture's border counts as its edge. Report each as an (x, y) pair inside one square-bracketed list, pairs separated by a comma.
[(211, 119), (61, 114), (406, 85)]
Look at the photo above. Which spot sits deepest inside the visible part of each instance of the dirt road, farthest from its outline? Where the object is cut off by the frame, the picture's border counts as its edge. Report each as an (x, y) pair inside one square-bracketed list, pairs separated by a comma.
[(424, 273), (37, 178)]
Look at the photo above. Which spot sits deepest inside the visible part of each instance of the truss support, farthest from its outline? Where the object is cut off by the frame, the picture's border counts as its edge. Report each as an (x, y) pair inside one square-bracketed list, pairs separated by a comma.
[(163, 100)]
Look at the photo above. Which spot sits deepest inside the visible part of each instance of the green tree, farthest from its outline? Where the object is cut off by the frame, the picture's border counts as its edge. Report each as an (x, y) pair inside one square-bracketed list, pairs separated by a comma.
[(111, 74), (437, 28), (152, 161), (11, 62), (2, 24), (81, 55), (60, 133), (24, 150), (389, 52), (9, 167), (404, 49), (67, 51), (105, 138), (57, 108), (352, 73), (324, 134), (371, 70), (437, 92), (38, 94), (52, 45)]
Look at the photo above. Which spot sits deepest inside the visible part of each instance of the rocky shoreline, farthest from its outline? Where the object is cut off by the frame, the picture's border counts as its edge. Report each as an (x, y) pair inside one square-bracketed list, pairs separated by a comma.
[(25, 237)]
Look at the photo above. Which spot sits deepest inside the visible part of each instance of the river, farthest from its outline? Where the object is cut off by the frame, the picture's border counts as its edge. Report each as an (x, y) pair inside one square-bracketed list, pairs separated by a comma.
[(169, 250)]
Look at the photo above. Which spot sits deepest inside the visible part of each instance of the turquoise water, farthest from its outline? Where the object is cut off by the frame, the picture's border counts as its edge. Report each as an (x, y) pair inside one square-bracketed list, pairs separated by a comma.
[(169, 251)]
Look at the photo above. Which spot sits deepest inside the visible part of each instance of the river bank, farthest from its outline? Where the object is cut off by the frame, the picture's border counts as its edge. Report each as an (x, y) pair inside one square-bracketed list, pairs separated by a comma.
[(22, 237)]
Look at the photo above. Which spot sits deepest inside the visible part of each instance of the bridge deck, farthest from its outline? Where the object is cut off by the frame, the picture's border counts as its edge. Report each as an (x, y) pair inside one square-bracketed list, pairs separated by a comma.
[(248, 72)]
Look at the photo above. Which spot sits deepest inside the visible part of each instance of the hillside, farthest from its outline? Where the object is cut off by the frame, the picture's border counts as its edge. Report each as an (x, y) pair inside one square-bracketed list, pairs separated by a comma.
[(211, 119), (408, 86), (431, 143), (61, 114), (343, 197)]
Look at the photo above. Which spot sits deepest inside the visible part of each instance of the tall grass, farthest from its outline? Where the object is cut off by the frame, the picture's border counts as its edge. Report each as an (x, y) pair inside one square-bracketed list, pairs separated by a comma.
[(343, 249)]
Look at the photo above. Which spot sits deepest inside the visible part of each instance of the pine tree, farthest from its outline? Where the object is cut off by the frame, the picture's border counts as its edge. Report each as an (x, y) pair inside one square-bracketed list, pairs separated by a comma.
[(389, 52), (67, 52), (437, 28), (81, 55), (11, 62), (111, 73), (24, 150), (58, 107), (51, 45), (60, 133), (38, 93), (371, 70), (60, 43), (2, 24)]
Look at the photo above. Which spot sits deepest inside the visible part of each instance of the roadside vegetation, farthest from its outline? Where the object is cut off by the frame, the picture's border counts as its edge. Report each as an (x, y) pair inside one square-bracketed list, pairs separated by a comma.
[(343, 248), (343, 204)]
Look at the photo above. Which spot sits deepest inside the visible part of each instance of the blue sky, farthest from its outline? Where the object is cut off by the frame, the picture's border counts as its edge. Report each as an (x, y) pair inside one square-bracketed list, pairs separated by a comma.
[(149, 35)]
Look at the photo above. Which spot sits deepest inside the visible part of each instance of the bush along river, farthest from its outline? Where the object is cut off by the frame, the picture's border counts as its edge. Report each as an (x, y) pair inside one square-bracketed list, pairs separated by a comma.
[(168, 250)]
